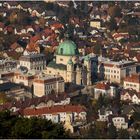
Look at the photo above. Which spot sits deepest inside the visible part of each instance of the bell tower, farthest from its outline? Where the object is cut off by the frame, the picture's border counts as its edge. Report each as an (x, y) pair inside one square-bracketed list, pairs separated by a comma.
[(70, 71)]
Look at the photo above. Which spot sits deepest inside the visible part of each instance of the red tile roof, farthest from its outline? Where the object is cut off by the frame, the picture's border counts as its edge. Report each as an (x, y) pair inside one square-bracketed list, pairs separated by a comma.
[(57, 26), (53, 110), (134, 78), (35, 101), (103, 86), (15, 45)]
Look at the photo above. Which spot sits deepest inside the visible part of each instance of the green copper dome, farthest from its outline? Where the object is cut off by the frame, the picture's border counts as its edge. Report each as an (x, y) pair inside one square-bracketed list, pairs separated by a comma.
[(67, 48)]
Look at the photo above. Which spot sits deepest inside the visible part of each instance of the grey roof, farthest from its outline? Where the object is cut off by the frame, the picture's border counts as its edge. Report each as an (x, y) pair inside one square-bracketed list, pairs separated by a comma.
[(57, 66), (8, 86), (32, 57), (126, 109)]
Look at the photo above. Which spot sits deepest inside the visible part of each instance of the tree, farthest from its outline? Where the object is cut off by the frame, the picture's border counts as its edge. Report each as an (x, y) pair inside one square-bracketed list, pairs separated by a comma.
[(136, 116), (111, 25), (123, 134), (18, 127), (112, 132), (114, 11), (3, 98)]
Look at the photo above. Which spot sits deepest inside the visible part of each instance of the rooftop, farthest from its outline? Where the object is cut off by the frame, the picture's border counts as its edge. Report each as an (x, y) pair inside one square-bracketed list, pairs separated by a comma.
[(8, 86), (134, 78), (53, 64), (53, 110), (31, 56)]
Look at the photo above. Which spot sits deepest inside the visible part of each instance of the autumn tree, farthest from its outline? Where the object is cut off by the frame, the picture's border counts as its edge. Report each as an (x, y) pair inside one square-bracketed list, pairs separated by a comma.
[(114, 11)]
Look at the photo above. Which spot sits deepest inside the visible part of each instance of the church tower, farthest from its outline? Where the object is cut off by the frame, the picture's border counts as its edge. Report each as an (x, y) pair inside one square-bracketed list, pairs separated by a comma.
[(70, 71), (78, 76), (87, 64)]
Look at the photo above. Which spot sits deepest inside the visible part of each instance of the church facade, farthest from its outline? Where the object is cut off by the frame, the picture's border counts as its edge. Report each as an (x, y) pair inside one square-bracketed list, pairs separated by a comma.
[(70, 65)]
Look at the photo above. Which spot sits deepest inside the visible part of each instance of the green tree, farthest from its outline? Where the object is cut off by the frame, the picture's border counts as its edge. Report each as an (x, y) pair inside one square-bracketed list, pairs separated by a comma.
[(123, 134), (112, 132), (136, 116), (18, 127)]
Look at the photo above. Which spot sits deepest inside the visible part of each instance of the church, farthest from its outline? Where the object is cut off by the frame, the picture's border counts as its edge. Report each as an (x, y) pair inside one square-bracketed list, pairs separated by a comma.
[(70, 65)]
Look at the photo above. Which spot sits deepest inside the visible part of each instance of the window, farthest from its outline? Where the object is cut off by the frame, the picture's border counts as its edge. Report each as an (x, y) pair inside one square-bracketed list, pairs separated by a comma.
[(61, 50), (114, 71), (61, 59)]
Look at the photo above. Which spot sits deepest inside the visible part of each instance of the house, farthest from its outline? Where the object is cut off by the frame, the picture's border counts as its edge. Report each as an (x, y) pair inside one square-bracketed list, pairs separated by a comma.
[(96, 23), (38, 102), (12, 90), (104, 89), (119, 121), (111, 70), (104, 113), (7, 65), (130, 95), (46, 84), (130, 109), (36, 62), (17, 47), (133, 82), (24, 77), (57, 113)]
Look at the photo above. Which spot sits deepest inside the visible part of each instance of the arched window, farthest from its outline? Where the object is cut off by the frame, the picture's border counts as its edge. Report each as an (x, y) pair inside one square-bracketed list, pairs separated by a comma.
[(61, 50)]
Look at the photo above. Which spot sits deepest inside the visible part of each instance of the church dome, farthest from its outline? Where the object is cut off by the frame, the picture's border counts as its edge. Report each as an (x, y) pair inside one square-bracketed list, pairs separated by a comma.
[(67, 48)]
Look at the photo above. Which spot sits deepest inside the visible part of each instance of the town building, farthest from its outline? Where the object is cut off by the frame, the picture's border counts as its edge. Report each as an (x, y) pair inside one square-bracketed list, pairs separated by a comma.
[(38, 83), (119, 121), (131, 96), (69, 64), (113, 71), (96, 23), (57, 113), (132, 82), (33, 62), (104, 113), (7, 65), (47, 84), (104, 89), (38, 102), (14, 91)]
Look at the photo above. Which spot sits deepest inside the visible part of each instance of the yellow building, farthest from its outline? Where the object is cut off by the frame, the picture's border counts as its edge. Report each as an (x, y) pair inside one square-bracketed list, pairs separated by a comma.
[(96, 23), (46, 84), (69, 65)]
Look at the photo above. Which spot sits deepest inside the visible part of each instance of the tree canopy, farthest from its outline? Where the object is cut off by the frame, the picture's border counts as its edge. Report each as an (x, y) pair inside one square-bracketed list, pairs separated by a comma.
[(19, 127)]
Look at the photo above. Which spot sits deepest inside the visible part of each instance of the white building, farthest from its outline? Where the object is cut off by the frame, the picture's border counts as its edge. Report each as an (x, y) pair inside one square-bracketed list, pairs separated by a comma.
[(46, 84), (130, 95), (132, 82), (104, 113), (104, 89), (120, 122), (58, 113), (110, 70), (35, 62)]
